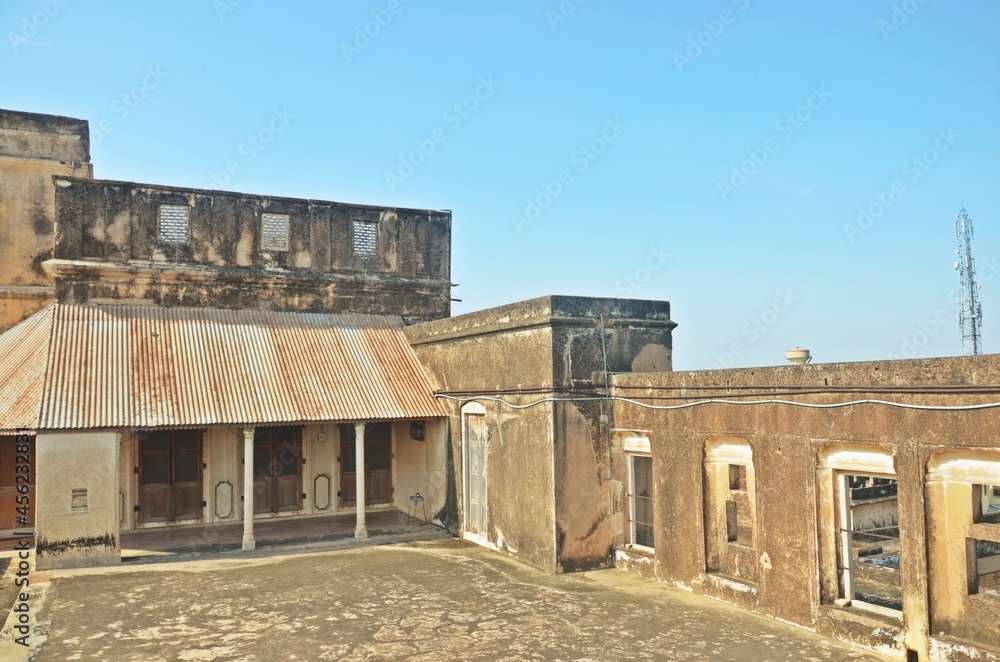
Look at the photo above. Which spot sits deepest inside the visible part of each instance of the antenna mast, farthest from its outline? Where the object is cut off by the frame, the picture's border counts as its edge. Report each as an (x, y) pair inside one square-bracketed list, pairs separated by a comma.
[(970, 314)]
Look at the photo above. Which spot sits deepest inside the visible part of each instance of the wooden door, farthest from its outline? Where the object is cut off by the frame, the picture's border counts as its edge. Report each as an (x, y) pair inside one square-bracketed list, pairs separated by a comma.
[(155, 492), (170, 476), (277, 460), (17, 481), (378, 471), (475, 478), (378, 465), (185, 468)]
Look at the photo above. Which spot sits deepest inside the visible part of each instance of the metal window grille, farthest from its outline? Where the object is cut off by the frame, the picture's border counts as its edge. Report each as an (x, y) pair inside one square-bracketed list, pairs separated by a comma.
[(174, 224), (274, 232), (641, 500), (365, 238)]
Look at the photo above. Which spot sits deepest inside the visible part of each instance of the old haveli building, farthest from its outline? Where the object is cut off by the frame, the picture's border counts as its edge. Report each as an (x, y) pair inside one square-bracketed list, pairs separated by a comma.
[(160, 336)]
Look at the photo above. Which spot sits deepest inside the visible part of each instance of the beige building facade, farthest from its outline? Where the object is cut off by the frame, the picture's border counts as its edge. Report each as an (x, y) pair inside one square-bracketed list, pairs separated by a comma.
[(195, 358)]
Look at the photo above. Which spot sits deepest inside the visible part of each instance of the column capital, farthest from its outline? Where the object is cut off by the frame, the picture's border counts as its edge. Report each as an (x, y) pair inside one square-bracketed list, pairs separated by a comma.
[(359, 427), (249, 432)]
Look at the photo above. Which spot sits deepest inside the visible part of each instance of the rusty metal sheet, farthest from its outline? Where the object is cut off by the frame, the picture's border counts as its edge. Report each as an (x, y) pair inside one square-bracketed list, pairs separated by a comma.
[(23, 356), (144, 367)]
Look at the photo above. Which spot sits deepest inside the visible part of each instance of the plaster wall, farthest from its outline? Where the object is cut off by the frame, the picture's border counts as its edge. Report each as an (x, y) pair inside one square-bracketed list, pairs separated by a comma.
[(795, 542), (550, 500), (420, 466), (33, 148), (76, 528), (490, 351)]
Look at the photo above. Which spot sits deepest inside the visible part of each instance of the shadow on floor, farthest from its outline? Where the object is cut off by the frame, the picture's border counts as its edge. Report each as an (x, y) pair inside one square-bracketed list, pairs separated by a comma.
[(273, 536)]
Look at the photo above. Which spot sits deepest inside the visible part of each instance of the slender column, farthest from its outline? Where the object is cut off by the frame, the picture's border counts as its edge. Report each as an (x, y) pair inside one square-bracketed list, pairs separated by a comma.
[(361, 530), (249, 543)]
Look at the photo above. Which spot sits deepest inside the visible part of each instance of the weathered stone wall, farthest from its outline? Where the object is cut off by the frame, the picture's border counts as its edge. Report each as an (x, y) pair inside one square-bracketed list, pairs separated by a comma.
[(795, 542), (589, 498), (33, 148), (108, 247), (550, 497)]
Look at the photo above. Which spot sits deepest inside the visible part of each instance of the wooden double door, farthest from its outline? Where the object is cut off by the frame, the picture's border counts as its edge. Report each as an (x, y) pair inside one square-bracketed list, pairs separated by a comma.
[(377, 469), (277, 469), (17, 485), (170, 476)]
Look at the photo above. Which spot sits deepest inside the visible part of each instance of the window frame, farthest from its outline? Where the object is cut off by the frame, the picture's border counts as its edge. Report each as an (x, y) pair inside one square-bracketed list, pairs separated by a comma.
[(187, 224), (845, 532), (631, 496), (286, 220), (368, 253)]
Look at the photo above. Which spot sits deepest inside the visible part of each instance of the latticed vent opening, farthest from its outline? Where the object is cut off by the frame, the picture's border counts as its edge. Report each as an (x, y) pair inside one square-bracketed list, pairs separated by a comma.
[(365, 238), (274, 232), (174, 220)]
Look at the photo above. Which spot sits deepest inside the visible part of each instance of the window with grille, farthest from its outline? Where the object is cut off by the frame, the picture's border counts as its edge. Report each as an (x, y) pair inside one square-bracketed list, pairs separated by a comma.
[(869, 541), (174, 224), (641, 500), (274, 232), (365, 238)]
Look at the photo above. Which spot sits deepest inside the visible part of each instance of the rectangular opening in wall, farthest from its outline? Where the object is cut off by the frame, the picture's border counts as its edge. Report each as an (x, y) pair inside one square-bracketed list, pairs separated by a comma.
[(870, 551), (78, 499), (365, 238), (983, 565), (641, 500), (174, 223), (986, 504), (738, 521), (274, 232), (737, 477)]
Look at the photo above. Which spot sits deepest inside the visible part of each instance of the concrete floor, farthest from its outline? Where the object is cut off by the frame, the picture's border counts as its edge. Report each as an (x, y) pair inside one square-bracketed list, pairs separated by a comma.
[(433, 600)]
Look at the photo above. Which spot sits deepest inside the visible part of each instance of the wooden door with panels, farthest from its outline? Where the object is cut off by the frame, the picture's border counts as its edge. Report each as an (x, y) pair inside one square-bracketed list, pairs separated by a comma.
[(277, 469), (377, 469), (170, 476)]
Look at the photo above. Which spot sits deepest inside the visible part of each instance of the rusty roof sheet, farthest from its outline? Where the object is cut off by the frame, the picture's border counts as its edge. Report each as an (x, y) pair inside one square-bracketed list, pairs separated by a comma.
[(145, 367), (23, 354)]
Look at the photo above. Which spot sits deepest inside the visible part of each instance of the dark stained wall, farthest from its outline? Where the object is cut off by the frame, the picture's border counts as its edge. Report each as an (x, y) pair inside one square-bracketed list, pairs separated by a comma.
[(108, 247)]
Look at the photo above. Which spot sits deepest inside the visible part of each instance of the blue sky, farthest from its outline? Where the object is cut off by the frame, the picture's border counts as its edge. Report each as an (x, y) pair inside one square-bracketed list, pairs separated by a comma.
[(713, 154)]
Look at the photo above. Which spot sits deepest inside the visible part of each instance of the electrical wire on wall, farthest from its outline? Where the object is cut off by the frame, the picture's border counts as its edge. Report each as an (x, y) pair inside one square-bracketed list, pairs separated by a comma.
[(687, 405)]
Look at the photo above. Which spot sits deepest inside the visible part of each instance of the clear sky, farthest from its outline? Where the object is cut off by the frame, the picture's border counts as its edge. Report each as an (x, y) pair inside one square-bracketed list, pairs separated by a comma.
[(785, 173)]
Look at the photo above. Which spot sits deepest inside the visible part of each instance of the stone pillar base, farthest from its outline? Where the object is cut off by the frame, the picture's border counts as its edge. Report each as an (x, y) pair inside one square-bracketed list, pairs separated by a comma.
[(361, 532)]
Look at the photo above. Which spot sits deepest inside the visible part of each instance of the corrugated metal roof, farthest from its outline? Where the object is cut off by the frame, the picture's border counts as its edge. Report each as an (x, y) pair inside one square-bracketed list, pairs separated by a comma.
[(23, 354), (146, 367)]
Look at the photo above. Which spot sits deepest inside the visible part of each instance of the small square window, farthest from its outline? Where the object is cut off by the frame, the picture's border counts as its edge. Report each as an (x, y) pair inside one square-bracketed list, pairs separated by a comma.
[(274, 232), (78, 500), (365, 238), (174, 224)]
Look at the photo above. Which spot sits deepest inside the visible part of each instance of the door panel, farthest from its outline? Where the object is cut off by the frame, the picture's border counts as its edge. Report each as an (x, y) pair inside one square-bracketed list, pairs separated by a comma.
[(378, 465), (378, 474), (288, 493), (277, 469), (476, 477), (155, 502), (170, 482), (262, 494)]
